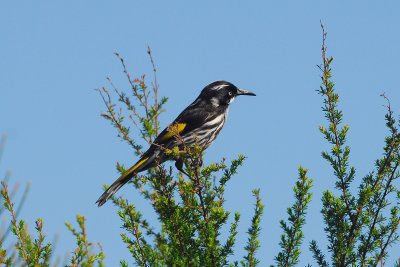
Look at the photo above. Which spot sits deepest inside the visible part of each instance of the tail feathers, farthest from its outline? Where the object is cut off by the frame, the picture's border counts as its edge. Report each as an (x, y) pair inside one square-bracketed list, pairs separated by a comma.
[(110, 191), (120, 182)]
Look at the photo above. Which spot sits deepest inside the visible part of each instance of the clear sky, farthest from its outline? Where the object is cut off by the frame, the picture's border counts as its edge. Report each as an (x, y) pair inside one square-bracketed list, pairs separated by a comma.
[(53, 54)]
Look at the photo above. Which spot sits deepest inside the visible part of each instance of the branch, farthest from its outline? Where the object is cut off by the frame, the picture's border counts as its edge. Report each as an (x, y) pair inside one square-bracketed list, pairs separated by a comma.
[(292, 237)]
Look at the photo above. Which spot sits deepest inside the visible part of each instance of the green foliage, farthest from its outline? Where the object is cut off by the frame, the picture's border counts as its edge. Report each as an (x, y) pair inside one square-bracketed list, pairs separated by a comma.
[(83, 254), (292, 236), (34, 250), (361, 227), (31, 251), (190, 207), (143, 112), (254, 231), (191, 214)]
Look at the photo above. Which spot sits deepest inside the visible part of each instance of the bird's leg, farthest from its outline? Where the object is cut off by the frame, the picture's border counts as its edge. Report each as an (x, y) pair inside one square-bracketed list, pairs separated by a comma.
[(179, 166), (198, 162)]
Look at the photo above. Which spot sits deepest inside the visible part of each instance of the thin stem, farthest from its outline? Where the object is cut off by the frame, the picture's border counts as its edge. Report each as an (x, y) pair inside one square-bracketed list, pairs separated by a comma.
[(377, 213), (155, 89)]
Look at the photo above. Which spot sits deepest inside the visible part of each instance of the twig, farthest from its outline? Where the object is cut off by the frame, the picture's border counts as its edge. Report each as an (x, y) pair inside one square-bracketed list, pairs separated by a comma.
[(155, 89)]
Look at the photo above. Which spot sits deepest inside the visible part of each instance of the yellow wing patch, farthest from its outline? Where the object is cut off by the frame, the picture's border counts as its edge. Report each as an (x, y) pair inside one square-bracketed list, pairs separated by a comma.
[(137, 165), (173, 130), (131, 171)]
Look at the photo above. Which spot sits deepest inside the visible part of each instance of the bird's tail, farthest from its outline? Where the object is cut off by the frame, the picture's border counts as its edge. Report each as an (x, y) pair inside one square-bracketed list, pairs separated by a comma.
[(125, 177)]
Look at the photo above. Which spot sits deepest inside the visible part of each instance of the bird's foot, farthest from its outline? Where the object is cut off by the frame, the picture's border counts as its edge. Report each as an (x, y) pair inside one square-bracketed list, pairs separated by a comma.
[(179, 166)]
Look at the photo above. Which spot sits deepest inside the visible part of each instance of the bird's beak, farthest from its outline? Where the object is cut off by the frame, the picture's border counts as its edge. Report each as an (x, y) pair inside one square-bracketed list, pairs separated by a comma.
[(244, 92)]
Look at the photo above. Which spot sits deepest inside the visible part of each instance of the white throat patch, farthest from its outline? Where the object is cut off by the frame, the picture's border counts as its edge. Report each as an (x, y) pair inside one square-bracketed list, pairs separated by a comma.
[(232, 99)]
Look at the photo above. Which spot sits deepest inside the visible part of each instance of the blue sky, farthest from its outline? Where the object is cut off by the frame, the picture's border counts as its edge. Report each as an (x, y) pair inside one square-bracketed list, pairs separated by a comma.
[(53, 54)]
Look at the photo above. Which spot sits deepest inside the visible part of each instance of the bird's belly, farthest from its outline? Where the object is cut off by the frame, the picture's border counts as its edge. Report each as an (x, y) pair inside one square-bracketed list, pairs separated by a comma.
[(206, 133)]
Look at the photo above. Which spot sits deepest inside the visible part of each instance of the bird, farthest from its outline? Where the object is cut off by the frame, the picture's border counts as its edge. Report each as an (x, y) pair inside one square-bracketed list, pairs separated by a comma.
[(199, 123)]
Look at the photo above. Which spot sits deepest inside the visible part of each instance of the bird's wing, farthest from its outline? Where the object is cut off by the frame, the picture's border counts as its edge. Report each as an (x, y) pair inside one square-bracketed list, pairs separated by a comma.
[(191, 118)]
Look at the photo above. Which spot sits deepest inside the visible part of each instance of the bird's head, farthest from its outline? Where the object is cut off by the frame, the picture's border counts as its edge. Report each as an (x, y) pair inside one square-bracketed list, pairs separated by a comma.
[(222, 93)]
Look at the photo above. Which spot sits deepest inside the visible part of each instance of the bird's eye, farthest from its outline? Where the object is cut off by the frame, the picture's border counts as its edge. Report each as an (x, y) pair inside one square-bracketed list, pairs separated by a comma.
[(230, 93)]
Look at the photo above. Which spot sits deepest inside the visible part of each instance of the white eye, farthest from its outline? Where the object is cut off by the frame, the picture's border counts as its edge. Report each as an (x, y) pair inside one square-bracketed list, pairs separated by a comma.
[(230, 93)]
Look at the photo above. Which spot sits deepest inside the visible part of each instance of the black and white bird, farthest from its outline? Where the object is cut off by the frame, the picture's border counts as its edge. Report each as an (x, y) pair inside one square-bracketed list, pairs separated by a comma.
[(200, 123)]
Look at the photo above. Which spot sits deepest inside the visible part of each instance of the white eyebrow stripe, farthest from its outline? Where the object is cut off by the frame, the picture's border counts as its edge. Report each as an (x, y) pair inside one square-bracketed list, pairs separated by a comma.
[(219, 87)]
